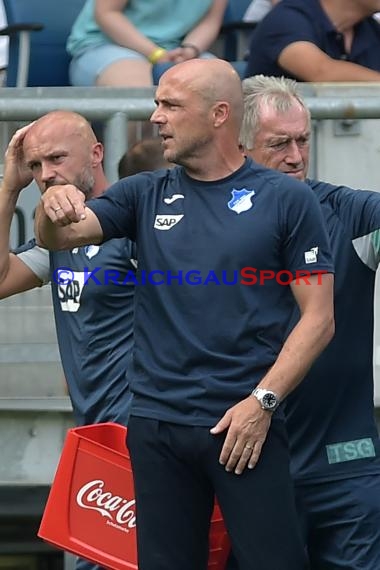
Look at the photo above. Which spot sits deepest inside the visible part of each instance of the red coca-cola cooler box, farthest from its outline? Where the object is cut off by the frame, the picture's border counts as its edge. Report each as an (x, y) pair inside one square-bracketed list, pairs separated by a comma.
[(90, 510)]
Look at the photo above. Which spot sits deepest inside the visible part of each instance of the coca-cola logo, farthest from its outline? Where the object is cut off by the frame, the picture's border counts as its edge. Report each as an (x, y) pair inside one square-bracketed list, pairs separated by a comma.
[(121, 511)]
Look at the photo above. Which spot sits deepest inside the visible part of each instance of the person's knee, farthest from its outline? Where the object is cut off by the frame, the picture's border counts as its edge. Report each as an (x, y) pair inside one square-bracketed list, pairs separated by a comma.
[(126, 73)]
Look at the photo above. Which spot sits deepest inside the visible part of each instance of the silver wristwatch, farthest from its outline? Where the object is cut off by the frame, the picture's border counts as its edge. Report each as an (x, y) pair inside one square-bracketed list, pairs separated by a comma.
[(268, 400)]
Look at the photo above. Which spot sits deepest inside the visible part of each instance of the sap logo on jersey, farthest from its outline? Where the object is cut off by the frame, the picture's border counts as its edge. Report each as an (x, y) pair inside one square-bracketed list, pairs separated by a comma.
[(167, 222), (70, 291)]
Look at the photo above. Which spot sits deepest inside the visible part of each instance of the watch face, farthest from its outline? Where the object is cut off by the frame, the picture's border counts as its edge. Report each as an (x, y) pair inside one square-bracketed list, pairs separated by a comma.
[(269, 400)]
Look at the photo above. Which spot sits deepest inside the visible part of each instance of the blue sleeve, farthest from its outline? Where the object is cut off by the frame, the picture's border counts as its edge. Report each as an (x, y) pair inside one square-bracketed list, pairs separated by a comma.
[(358, 210), (306, 244), (115, 210)]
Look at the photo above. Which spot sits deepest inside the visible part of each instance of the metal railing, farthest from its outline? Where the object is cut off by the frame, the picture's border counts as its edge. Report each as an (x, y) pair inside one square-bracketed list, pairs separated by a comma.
[(112, 106), (116, 106)]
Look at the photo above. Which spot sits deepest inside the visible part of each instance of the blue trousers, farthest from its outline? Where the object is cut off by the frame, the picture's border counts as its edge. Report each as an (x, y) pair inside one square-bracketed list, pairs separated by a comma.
[(177, 474)]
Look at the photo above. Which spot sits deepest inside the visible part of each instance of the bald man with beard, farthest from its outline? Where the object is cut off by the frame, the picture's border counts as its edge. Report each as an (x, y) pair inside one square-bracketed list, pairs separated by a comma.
[(211, 364), (94, 318)]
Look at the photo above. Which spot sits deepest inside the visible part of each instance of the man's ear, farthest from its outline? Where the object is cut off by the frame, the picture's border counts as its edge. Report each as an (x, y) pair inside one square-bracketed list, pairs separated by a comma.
[(221, 113), (97, 154)]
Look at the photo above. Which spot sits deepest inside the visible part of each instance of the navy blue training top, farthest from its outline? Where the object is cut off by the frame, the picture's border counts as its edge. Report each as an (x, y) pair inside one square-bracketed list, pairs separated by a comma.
[(304, 20), (330, 415), (93, 312), (203, 339)]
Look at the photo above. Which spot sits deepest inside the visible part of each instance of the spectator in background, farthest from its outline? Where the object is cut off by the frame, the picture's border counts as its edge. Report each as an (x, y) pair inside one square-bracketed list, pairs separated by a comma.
[(318, 40), (258, 9), (334, 444), (143, 155), (115, 42)]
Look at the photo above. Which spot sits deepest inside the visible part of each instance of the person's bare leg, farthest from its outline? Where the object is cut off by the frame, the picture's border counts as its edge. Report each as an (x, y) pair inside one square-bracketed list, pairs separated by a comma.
[(126, 73), (129, 73)]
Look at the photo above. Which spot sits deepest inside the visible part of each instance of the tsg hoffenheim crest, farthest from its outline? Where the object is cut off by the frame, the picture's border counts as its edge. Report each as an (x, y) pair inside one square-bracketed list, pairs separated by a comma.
[(241, 200), (91, 250)]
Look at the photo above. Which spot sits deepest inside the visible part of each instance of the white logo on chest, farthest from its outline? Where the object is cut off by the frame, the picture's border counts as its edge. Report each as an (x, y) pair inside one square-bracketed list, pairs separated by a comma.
[(167, 222)]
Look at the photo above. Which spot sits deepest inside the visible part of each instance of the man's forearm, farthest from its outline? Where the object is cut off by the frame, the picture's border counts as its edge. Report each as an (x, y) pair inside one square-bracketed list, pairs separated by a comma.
[(8, 203), (63, 221), (42, 227), (48, 234), (304, 344)]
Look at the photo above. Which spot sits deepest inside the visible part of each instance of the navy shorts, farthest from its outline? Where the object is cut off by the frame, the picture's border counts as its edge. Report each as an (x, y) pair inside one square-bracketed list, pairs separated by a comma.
[(341, 523), (177, 472)]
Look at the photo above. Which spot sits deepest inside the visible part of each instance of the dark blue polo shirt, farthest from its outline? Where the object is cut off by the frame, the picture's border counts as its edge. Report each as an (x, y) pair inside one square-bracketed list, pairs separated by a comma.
[(330, 415), (304, 20), (205, 331)]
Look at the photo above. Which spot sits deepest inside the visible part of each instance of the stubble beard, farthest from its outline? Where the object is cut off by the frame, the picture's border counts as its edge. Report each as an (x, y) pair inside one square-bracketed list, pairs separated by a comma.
[(189, 151)]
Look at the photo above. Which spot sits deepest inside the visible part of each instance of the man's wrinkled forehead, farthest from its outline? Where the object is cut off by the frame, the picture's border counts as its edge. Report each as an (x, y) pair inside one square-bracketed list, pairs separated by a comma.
[(49, 134), (38, 148), (293, 119), (170, 87), (179, 79)]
